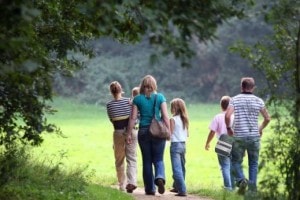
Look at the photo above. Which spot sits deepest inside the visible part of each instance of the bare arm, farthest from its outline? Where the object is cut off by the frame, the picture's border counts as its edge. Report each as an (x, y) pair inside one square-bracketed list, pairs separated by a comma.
[(164, 113), (209, 139), (172, 124), (266, 121), (228, 114), (132, 120)]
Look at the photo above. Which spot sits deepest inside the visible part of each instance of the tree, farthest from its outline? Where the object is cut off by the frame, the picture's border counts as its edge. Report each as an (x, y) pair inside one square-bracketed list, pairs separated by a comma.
[(278, 57), (37, 37)]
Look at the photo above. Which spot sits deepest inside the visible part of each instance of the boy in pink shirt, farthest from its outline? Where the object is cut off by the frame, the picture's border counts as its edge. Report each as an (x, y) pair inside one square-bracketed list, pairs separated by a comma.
[(218, 128)]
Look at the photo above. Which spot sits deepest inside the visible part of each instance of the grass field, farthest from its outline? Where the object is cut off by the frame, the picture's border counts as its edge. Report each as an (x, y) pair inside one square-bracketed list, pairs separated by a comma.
[(87, 142)]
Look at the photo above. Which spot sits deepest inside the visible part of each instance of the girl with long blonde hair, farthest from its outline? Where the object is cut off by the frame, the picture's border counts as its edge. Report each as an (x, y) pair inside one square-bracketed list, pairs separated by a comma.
[(179, 125)]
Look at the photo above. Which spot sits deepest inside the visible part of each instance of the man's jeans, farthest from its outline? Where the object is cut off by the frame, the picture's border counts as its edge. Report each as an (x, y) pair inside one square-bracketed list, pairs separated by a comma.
[(152, 150), (225, 165), (177, 152), (252, 146)]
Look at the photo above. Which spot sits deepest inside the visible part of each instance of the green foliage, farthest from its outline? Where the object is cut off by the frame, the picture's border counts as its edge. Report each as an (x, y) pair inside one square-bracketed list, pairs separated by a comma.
[(26, 177), (23, 178), (38, 38), (209, 77)]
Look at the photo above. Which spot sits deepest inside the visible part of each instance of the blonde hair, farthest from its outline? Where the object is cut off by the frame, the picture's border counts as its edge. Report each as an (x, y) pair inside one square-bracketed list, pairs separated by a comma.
[(135, 91), (178, 108), (115, 88), (224, 102), (148, 81)]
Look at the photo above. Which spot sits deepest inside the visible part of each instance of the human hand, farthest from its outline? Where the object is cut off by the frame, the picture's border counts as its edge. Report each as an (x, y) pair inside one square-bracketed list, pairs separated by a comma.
[(207, 146), (168, 138), (128, 139), (230, 132)]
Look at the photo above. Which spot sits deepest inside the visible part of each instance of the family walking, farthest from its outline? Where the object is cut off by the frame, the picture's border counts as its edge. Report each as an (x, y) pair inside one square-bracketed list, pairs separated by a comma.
[(131, 119), (239, 120)]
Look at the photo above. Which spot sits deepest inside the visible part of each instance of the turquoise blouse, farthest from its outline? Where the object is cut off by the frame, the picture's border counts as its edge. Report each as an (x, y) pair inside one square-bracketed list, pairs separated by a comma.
[(145, 107)]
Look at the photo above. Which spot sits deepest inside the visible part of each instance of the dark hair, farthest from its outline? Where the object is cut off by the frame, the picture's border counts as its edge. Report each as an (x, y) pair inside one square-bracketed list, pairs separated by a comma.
[(247, 83)]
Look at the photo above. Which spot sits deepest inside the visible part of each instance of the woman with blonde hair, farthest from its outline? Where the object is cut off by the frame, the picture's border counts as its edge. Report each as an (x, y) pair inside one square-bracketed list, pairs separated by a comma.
[(179, 124), (152, 149), (118, 111)]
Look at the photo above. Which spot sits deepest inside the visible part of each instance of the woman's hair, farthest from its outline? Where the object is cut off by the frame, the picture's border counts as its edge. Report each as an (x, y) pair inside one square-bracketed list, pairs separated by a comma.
[(178, 108), (148, 82), (224, 102), (115, 88)]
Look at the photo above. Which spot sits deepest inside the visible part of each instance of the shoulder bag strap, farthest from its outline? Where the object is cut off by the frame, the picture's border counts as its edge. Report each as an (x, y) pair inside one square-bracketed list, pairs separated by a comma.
[(154, 106)]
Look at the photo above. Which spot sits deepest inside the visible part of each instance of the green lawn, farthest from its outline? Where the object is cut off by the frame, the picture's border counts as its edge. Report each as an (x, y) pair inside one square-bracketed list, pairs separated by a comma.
[(87, 142)]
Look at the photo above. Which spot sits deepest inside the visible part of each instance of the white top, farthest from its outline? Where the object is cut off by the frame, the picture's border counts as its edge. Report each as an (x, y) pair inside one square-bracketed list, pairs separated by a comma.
[(179, 134)]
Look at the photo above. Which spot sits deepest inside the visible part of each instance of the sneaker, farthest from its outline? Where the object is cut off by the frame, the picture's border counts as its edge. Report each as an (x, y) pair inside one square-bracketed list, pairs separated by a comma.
[(161, 186), (130, 188), (242, 186)]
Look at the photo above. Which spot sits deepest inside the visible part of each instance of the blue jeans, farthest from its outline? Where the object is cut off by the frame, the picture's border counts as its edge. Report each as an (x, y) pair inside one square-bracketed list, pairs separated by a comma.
[(152, 150), (225, 164), (177, 152), (252, 146)]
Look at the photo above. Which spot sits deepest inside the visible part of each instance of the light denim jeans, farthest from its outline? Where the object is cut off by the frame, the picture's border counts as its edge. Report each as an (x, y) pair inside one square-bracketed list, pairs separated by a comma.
[(177, 152), (252, 146), (152, 150), (226, 167)]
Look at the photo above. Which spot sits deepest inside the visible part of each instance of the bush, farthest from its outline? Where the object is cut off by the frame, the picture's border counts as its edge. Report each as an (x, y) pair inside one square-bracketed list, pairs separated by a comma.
[(23, 177)]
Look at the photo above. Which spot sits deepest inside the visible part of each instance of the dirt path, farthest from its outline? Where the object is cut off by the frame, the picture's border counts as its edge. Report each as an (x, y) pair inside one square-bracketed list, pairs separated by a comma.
[(139, 194)]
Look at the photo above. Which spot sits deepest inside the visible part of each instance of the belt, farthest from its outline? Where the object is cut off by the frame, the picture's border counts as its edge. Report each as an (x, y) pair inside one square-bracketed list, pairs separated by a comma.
[(135, 128)]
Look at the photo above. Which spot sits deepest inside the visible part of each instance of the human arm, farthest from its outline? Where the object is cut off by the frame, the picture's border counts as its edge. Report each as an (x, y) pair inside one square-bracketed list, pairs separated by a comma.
[(108, 113), (172, 125), (209, 139), (131, 123), (228, 114), (164, 114), (266, 120)]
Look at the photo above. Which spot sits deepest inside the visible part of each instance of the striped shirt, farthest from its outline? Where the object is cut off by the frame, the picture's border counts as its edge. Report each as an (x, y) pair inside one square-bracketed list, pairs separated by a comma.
[(246, 111), (118, 112)]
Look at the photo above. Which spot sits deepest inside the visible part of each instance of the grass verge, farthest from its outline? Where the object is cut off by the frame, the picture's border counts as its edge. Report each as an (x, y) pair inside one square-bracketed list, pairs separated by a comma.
[(26, 178)]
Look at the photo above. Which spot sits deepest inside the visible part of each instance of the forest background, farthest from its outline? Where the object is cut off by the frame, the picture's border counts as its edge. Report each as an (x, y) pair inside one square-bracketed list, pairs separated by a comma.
[(213, 72), (47, 46)]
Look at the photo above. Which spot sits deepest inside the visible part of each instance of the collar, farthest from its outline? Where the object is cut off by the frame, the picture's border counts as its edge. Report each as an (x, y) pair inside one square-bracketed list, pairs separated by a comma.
[(246, 92)]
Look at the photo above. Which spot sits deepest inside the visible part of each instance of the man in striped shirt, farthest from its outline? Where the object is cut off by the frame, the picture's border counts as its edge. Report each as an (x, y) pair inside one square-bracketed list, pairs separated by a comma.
[(247, 132)]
